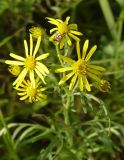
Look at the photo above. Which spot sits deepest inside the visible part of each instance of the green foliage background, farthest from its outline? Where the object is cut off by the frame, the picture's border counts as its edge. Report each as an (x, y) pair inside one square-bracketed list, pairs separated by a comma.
[(37, 131)]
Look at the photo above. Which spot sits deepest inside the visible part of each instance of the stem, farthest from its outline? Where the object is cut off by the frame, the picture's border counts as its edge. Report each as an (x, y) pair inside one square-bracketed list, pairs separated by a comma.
[(11, 146), (65, 48), (58, 54), (66, 108), (108, 15), (67, 117), (119, 26)]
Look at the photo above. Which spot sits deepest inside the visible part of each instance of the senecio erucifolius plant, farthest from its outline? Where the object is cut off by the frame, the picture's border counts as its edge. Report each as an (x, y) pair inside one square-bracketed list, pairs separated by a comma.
[(30, 71)]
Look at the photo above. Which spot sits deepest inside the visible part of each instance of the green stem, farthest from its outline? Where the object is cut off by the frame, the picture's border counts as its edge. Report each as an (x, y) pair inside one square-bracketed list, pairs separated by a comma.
[(66, 108), (119, 26), (65, 48), (58, 54), (108, 15), (9, 141)]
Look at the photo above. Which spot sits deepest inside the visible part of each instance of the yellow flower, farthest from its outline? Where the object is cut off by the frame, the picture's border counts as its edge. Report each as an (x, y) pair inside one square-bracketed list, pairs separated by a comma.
[(104, 85), (36, 31), (81, 69), (14, 70), (63, 31), (30, 63), (32, 93)]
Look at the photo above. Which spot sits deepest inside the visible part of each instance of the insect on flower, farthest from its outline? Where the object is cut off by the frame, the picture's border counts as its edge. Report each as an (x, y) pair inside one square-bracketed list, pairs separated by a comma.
[(63, 32), (58, 37)]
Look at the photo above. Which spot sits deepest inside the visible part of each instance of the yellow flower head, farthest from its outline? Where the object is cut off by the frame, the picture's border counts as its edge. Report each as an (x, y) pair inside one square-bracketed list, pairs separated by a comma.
[(81, 69), (14, 70), (32, 93), (63, 31), (36, 31), (104, 85), (30, 63)]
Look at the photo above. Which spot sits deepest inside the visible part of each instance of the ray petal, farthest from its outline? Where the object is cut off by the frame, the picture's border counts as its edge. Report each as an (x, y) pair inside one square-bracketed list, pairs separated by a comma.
[(17, 57), (65, 78), (76, 33), (40, 70), (67, 59), (53, 21), (40, 75), (31, 75), (43, 56), (72, 26), (20, 77), (92, 50), (52, 30), (93, 76), (86, 83), (68, 40), (26, 48), (42, 89), (37, 46), (93, 71), (74, 37), (67, 19), (20, 89), (78, 50), (73, 80), (42, 96), (14, 62), (85, 47), (62, 43), (81, 83), (21, 93), (43, 67), (24, 97), (31, 45), (99, 68), (63, 69)]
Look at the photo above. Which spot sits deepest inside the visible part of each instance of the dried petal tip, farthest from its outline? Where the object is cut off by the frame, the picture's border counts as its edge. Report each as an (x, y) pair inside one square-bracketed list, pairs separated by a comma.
[(36, 31)]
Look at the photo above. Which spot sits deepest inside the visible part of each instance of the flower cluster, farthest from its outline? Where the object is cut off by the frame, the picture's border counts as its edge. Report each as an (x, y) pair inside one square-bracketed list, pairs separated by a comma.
[(80, 70), (30, 71), (31, 68)]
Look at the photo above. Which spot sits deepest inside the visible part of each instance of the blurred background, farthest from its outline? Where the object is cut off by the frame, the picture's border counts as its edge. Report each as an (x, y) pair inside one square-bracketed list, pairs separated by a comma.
[(37, 131)]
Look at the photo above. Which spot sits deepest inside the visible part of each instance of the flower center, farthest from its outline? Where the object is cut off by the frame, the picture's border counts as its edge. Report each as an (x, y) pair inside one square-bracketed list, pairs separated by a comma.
[(31, 92), (36, 31), (80, 67), (62, 28), (30, 63)]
